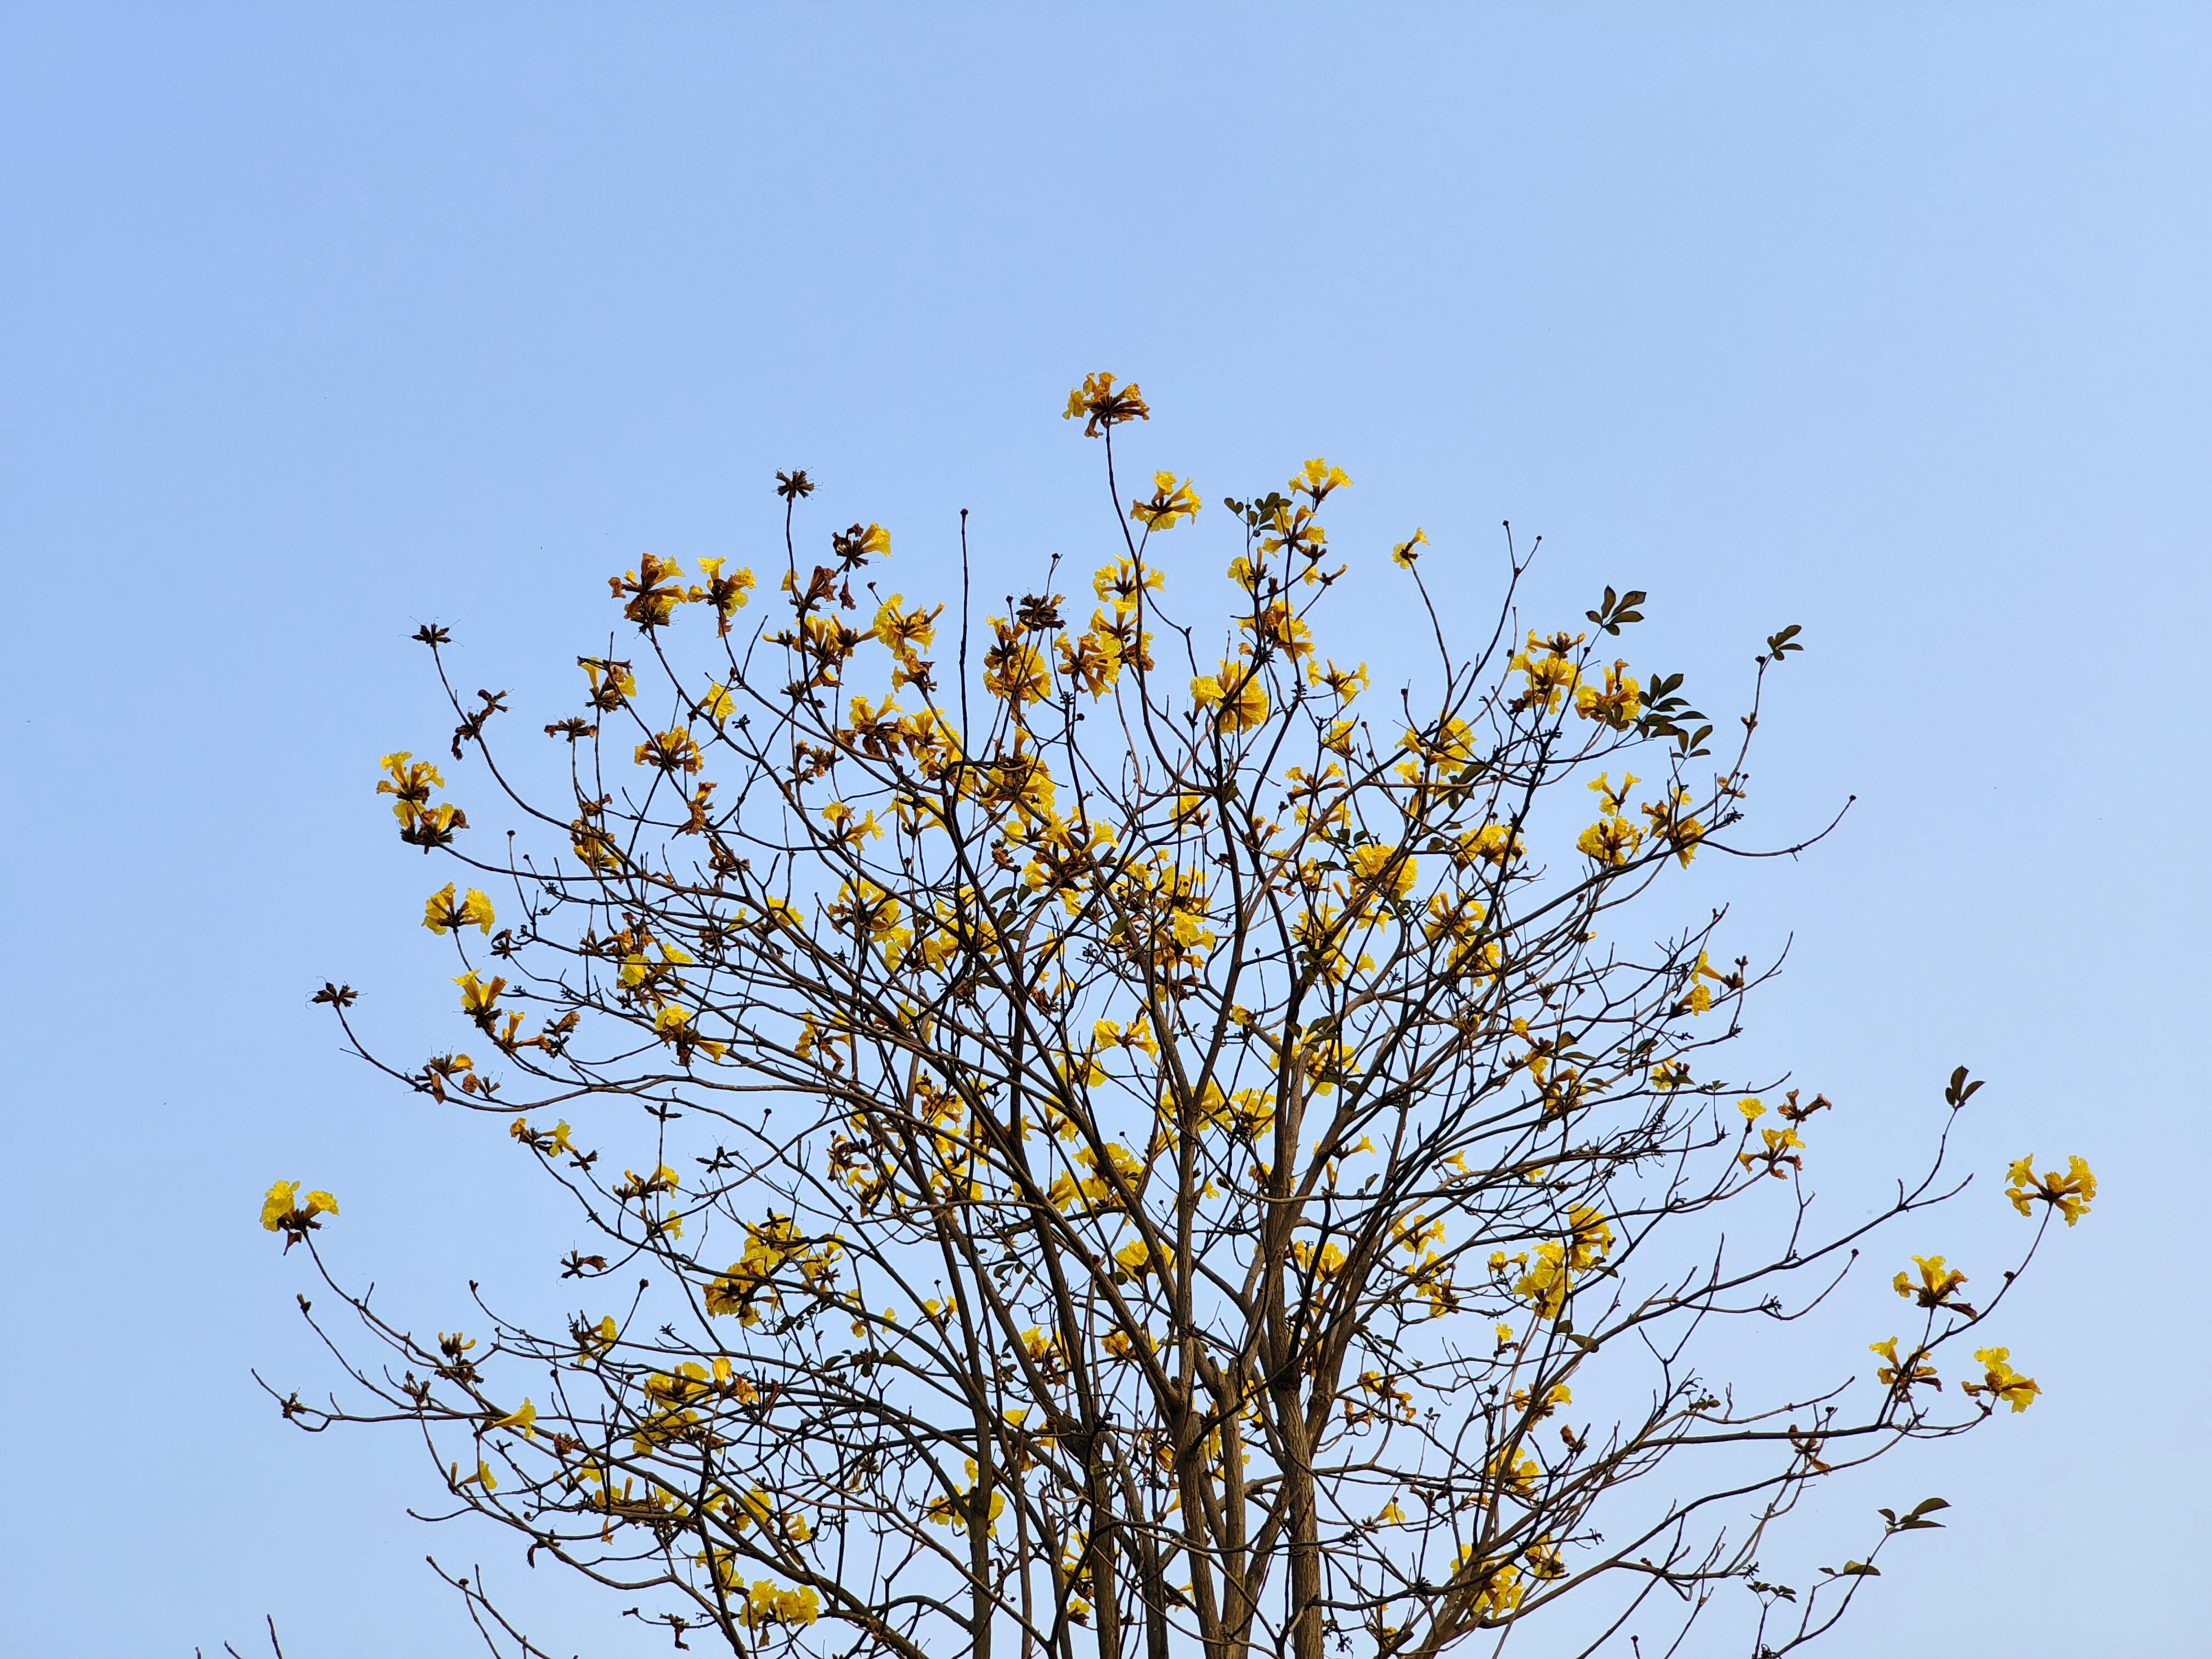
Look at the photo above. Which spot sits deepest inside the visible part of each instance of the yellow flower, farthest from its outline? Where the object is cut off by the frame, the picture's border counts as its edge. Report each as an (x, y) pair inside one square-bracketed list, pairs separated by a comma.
[(619, 683), (1549, 671), (1672, 823), (283, 1211), (1496, 1585), (904, 633), (1590, 1240), (1317, 479), (1328, 1261), (523, 1417), (1104, 407), (1751, 1107), (1406, 552), (1616, 705), (1778, 1147), (1289, 530), (1239, 700), (1124, 582), (478, 997), (1370, 862), (1516, 1472), (2070, 1192), (1700, 997), (956, 1510), (1273, 628), (1557, 1395), (410, 781), (727, 594), (1092, 660), (1493, 844), (655, 589), (1344, 684), (1546, 1281), (442, 913), (277, 1204), (849, 829), (1610, 842), (1614, 799), (1134, 1259), (1909, 1370), (769, 1602), (1173, 501), (673, 751), (1015, 670), (1936, 1284), (2000, 1382), (557, 1141), (854, 547)]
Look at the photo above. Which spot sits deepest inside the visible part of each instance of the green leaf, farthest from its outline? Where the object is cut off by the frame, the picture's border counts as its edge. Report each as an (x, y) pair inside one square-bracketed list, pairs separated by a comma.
[(1960, 1092)]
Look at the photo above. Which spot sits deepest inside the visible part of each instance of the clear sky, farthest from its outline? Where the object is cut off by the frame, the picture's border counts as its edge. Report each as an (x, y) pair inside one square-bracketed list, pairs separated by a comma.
[(318, 322)]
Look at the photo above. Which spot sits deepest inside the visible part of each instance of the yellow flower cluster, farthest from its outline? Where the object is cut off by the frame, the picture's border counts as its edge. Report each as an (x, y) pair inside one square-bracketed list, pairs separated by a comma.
[(1999, 1382), (1546, 669), (442, 912), (1780, 1150), (959, 1510), (1173, 501), (1546, 1279), (1290, 526), (1383, 872), (1234, 694), (1935, 1285), (1908, 1372), (654, 589), (764, 1603), (1613, 840), (1014, 668), (1497, 1586), (1100, 406), (771, 1245), (408, 782), (1615, 704), (672, 752), (771, 1603), (552, 1143), (282, 1211), (279, 1203), (2069, 1193)]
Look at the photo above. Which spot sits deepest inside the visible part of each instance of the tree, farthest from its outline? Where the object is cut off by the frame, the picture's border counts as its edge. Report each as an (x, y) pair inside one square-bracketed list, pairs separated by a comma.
[(1150, 1159)]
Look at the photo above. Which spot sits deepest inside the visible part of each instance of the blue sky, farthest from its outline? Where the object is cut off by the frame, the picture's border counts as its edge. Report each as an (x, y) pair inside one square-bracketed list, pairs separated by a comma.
[(1882, 319)]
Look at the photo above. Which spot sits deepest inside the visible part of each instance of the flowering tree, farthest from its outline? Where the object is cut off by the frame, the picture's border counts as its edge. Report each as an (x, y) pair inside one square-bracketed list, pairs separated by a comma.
[(1115, 1142)]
